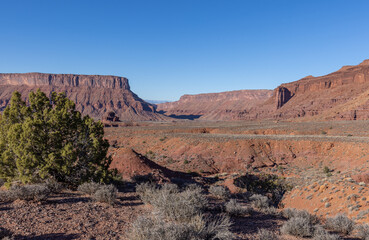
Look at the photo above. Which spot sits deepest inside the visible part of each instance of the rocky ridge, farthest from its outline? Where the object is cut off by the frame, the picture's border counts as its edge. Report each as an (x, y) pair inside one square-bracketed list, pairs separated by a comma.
[(339, 95), (215, 106)]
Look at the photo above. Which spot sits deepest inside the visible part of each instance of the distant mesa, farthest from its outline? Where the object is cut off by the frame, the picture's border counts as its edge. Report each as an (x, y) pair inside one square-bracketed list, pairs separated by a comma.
[(94, 95), (156, 101), (215, 106)]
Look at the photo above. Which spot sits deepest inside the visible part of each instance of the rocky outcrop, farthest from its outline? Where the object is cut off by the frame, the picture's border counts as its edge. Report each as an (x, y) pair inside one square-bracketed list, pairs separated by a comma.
[(339, 95), (282, 96), (94, 95), (215, 106)]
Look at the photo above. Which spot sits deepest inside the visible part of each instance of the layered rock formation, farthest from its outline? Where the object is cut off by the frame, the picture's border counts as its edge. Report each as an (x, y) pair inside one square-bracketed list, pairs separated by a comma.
[(215, 106), (93, 94), (339, 95)]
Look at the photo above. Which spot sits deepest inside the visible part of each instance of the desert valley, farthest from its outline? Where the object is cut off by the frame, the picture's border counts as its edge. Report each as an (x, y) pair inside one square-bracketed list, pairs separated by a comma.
[(259, 161)]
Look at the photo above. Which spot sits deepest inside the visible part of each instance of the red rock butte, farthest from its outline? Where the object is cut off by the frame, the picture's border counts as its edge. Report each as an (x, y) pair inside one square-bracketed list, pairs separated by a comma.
[(93, 94)]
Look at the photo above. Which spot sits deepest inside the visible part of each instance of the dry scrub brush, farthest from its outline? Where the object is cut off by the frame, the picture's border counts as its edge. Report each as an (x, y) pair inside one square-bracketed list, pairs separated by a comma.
[(34, 192), (177, 215), (293, 212), (362, 231), (234, 208), (298, 226), (198, 228), (341, 223), (99, 192), (220, 192), (321, 234), (300, 223), (259, 201), (264, 234), (171, 203)]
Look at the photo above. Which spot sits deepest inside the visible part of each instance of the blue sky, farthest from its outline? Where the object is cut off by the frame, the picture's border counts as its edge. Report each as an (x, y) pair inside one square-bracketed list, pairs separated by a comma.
[(168, 48)]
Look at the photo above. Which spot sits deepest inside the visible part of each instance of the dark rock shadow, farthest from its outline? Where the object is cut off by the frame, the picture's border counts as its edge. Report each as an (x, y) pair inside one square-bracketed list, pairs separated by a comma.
[(188, 117), (250, 225), (5, 208), (54, 236), (129, 204), (70, 200), (130, 198)]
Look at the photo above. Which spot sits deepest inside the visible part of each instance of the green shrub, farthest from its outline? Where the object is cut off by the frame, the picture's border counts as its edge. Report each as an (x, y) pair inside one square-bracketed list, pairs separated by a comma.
[(326, 170), (265, 184), (49, 138)]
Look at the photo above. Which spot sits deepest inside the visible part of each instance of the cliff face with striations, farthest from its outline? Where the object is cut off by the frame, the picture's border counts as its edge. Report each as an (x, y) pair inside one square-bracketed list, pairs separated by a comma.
[(338, 95), (93, 94), (215, 106), (64, 80), (282, 96)]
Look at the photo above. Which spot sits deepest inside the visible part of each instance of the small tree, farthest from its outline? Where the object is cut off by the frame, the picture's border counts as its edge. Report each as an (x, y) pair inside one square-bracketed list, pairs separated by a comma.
[(49, 138)]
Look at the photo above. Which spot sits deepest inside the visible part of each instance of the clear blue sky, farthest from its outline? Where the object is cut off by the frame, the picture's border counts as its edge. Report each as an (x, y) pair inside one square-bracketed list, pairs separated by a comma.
[(174, 47)]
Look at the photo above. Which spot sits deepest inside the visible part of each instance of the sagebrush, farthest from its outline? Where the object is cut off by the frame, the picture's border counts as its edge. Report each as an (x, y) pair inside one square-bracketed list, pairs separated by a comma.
[(172, 203), (341, 223)]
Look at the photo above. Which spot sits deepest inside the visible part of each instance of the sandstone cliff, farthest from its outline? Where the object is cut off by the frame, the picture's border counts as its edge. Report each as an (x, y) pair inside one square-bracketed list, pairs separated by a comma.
[(339, 95), (93, 94), (215, 106)]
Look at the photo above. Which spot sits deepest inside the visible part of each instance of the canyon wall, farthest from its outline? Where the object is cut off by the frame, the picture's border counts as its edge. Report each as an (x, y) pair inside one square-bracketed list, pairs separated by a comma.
[(339, 95)]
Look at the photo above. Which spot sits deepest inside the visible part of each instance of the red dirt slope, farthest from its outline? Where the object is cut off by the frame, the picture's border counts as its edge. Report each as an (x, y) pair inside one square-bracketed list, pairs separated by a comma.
[(130, 163)]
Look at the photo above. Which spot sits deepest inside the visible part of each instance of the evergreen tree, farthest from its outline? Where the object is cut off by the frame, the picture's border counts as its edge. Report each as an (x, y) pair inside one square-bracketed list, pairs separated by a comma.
[(48, 138)]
